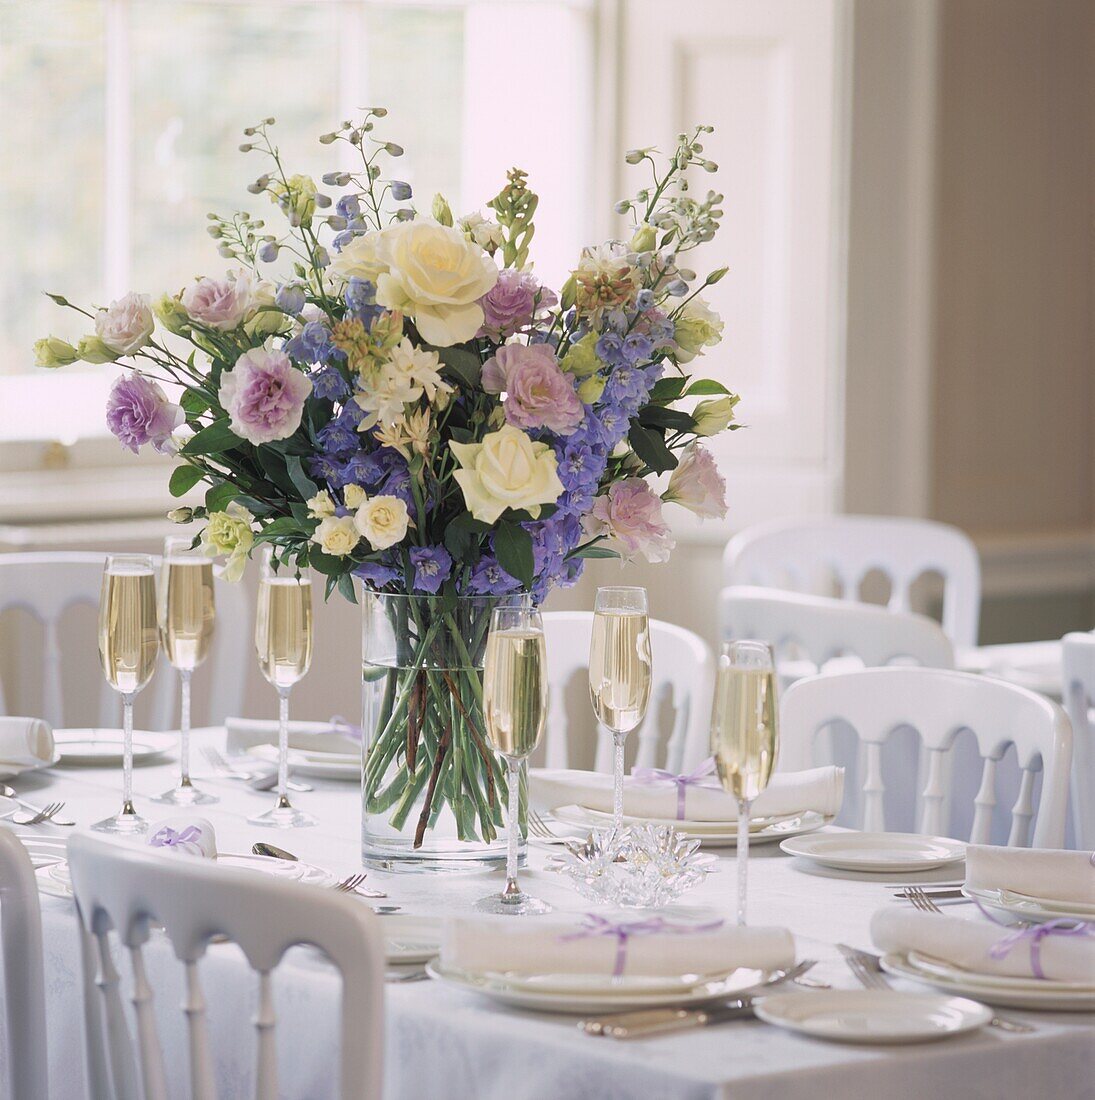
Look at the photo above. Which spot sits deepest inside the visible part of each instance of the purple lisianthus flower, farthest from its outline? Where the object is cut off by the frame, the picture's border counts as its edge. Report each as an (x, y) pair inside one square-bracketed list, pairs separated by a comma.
[(488, 578), (138, 412), (538, 393), (432, 567), (330, 384), (376, 574), (512, 303), (263, 395)]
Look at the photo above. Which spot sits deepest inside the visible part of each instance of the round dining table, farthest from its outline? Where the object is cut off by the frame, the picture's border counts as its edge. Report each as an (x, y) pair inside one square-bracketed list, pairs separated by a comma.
[(450, 1044)]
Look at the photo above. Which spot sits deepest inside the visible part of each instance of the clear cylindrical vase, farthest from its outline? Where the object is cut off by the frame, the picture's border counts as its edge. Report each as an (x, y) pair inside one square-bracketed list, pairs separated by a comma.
[(433, 789)]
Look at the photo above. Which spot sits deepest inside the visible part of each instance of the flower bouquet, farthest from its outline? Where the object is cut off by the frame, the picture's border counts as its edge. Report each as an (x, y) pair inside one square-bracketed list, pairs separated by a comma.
[(395, 397)]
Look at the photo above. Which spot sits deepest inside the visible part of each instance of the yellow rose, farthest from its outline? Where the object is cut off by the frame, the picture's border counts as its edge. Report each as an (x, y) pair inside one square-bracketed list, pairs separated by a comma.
[(506, 470), (359, 259), (383, 521), (229, 532), (354, 496), (321, 505), (336, 535), (436, 276)]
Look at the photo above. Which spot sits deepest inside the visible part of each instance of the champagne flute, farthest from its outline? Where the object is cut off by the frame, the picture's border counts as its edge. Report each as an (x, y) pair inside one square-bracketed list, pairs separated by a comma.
[(129, 642), (186, 614), (619, 674), (515, 699), (744, 734), (283, 640)]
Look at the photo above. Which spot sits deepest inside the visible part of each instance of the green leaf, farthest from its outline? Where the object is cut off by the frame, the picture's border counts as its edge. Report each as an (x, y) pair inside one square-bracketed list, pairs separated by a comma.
[(303, 483), (346, 587), (667, 389), (273, 463), (183, 479), (254, 506), (326, 564), (655, 416), (329, 588), (593, 552), (706, 386), (212, 439), (283, 525), (650, 447), (194, 402), (220, 496), (462, 537), (513, 547), (462, 363)]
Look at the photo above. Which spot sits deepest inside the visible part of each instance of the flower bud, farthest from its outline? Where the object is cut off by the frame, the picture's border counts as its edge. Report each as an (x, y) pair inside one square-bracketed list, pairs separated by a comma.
[(401, 191), (171, 314), (589, 392), (713, 416), (645, 238), (441, 210), (91, 349), (54, 352), (181, 515)]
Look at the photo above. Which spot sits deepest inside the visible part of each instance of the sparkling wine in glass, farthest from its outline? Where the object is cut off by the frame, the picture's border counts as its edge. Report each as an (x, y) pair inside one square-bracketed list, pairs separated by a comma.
[(745, 735), (515, 699), (129, 642), (283, 640), (619, 674), (186, 614)]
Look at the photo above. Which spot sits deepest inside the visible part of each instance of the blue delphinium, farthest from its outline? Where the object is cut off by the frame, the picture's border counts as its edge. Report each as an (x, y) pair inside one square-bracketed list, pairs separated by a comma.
[(432, 567), (313, 344), (488, 578), (330, 384)]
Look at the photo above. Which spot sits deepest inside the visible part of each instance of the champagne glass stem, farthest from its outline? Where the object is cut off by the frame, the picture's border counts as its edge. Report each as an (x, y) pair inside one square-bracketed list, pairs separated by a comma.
[(184, 728), (283, 745), (513, 776), (743, 856), (618, 781), (127, 753)]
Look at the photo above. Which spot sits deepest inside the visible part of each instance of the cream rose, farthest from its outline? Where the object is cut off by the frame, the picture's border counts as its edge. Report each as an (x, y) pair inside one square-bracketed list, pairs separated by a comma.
[(229, 532), (354, 496), (321, 505), (126, 325), (359, 259), (506, 470), (436, 276), (382, 520), (336, 535)]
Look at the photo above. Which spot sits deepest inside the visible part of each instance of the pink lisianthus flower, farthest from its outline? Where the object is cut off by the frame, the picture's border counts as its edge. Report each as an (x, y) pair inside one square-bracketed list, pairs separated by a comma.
[(220, 303), (697, 485), (264, 396), (511, 304), (538, 393), (630, 514), (138, 412)]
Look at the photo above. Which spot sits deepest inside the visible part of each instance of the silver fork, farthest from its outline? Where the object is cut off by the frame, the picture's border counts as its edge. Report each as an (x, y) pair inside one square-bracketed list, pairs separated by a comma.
[(229, 770), (541, 830), (350, 883), (867, 971), (48, 812)]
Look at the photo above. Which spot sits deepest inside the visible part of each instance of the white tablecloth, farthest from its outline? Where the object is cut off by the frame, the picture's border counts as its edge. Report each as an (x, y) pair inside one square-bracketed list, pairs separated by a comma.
[(451, 1045)]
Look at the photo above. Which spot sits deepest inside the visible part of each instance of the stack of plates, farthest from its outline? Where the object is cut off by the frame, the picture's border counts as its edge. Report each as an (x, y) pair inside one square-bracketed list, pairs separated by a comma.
[(314, 763), (600, 992), (102, 748), (1029, 907), (994, 988), (713, 834)]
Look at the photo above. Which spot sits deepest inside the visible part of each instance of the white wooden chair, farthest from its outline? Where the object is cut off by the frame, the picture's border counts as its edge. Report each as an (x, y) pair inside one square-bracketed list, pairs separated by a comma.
[(129, 890), (1079, 696), (47, 584), (683, 670), (24, 988), (938, 704), (804, 555)]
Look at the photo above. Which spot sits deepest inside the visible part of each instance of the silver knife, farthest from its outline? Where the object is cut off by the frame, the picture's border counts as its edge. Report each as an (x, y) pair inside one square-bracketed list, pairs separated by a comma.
[(659, 1021)]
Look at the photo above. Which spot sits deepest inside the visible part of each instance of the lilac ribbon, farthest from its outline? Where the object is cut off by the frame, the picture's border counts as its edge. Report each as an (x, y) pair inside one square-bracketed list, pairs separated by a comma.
[(624, 930), (683, 782), (1063, 926), (188, 839), (346, 728)]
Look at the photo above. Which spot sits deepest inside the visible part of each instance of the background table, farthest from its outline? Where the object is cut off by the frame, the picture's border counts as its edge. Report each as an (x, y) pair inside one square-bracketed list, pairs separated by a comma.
[(449, 1045)]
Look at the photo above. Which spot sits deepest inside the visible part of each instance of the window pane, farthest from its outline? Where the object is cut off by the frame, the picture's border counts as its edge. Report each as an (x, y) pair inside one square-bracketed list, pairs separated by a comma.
[(51, 168)]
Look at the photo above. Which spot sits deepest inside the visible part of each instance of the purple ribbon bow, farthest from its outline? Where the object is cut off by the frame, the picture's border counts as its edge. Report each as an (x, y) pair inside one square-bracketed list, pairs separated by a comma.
[(166, 837), (1063, 926), (346, 728), (682, 782), (624, 930)]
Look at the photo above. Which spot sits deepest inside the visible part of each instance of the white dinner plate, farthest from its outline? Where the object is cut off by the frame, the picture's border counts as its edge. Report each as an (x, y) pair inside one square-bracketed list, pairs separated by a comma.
[(317, 765), (852, 851), (101, 748), (712, 834), (873, 1016), (688, 825), (1048, 996), (943, 969), (10, 771), (409, 939), (587, 993), (1031, 908)]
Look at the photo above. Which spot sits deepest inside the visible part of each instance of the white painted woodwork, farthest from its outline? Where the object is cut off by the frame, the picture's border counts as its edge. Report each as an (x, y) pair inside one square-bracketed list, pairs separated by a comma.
[(1078, 692)]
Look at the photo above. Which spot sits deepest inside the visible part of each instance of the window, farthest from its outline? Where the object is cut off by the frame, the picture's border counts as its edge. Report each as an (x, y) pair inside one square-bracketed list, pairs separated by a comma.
[(131, 112)]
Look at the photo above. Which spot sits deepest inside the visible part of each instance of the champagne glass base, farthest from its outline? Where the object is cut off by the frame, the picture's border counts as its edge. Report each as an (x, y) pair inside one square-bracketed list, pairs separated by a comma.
[(512, 905), (186, 795), (126, 823), (283, 817)]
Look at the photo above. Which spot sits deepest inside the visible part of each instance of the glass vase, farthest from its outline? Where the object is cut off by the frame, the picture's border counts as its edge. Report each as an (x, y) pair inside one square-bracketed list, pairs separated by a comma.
[(433, 789)]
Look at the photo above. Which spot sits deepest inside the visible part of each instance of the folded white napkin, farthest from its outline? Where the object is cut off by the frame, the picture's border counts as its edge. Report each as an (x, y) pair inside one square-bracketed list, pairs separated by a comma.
[(24, 743), (1039, 872), (591, 947), (820, 789), (246, 733), (186, 833), (981, 946)]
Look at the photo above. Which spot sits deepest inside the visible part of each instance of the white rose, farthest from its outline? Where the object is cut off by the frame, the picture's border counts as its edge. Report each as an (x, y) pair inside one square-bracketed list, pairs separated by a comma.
[(336, 535), (126, 325), (359, 259), (383, 521), (506, 470), (354, 496), (437, 276), (321, 505), (485, 233)]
